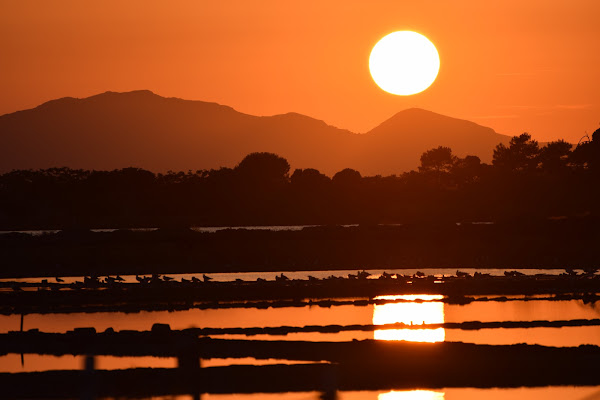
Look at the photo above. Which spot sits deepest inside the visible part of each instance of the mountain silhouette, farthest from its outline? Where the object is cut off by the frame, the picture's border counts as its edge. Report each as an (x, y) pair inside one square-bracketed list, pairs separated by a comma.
[(141, 129)]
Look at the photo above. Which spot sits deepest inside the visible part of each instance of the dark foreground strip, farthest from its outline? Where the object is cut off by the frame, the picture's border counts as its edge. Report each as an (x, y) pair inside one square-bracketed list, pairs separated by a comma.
[(373, 359), (366, 365)]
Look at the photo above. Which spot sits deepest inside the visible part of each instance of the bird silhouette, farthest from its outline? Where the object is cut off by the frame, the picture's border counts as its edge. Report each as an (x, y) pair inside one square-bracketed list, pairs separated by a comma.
[(363, 274), (282, 277)]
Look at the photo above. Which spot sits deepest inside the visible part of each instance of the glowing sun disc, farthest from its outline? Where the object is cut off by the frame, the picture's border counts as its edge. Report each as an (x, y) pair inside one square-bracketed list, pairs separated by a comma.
[(404, 63)]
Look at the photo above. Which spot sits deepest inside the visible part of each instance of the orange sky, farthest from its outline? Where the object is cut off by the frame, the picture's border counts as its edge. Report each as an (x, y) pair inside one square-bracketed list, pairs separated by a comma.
[(512, 65)]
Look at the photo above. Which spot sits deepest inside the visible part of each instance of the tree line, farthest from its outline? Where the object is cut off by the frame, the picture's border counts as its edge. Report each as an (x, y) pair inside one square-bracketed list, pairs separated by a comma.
[(524, 181)]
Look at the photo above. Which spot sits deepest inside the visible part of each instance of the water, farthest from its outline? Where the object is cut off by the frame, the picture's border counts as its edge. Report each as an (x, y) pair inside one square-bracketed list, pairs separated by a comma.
[(546, 393), (406, 312), (415, 309), (253, 276), (541, 393), (42, 362), (205, 229)]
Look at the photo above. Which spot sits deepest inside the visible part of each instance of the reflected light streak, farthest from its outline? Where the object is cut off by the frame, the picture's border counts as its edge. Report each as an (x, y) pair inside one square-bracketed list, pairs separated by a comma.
[(411, 395), (413, 313)]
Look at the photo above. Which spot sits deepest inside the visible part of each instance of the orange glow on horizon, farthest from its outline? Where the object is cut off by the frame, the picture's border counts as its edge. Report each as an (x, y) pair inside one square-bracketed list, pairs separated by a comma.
[(514, 66)]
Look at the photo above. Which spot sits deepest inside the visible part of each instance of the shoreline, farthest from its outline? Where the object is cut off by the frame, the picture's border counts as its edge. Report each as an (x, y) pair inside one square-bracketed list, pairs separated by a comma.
[(520, 245)]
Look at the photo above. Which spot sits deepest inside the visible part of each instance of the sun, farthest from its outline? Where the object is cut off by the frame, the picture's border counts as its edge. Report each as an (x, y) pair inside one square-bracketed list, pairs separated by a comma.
[(404, 63)]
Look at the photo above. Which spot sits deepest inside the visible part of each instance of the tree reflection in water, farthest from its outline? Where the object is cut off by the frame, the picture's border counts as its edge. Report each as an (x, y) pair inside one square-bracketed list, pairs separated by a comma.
[(411, 313)]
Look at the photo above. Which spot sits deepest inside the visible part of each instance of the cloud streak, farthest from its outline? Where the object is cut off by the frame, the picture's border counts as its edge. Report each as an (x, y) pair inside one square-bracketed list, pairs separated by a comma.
[(549, 107)]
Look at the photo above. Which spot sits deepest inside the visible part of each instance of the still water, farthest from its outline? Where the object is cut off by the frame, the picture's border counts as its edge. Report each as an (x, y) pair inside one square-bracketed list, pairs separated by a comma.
[(417, 310), (542, 393), (416, 313), (42, 362), (205, 229)]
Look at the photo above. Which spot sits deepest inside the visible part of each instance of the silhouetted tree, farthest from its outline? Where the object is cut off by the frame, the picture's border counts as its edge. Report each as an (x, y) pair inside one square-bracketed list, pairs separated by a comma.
[(266, 167), (347, 177), (554, 157), (587, 154), (596, 136), (522, 154), (260, 191), (437, 160), (308, 179), (310, 195), (467, 170)]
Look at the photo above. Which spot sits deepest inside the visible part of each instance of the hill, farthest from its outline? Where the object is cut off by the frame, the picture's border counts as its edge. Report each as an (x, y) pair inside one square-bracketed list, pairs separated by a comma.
[(114, 130)]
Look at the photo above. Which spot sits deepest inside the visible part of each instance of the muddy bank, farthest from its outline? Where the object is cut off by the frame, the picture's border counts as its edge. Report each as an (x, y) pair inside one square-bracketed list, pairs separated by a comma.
[(357, 365), (144, 383), (285, 330), (537, 244), (161, 341), (44, 298)]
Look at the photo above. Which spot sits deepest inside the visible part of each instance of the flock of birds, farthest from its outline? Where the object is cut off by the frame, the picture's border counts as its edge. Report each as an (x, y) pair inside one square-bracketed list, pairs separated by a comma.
[(156, 279)]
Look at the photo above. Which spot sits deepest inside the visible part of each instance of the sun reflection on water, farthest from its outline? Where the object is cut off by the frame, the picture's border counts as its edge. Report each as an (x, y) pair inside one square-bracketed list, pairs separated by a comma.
[(410, 313), (411, 395)]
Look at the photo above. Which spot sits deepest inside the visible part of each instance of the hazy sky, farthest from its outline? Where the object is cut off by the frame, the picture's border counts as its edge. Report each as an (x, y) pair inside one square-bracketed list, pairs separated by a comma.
[(513, 65)]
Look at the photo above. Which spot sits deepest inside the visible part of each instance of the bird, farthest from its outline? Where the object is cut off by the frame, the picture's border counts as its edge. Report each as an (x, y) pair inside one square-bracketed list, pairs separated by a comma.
[(90, 280), (206, 278), (569, 271), (59, 280), (118, 278), (461, 274), (167, 278), (282, 277), (194, 279), (363, 274)]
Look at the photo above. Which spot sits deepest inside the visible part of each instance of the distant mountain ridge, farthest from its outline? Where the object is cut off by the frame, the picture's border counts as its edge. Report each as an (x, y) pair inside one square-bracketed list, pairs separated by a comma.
[(141, 129)]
